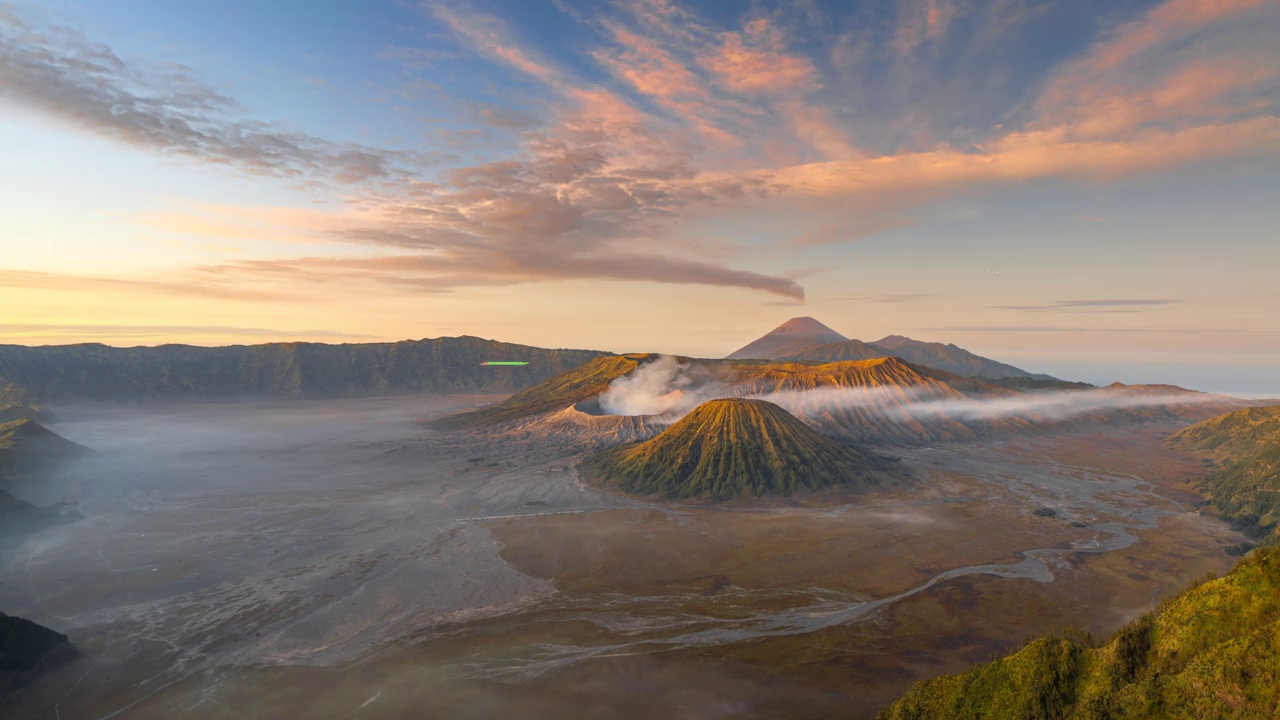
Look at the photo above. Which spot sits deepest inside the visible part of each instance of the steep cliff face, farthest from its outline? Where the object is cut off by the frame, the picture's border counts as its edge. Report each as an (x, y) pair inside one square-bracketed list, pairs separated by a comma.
[(279, 370), (1211, 652), (732, 448)]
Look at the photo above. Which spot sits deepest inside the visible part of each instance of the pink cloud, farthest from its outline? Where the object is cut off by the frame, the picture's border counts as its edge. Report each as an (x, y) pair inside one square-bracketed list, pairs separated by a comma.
[(755, 61)]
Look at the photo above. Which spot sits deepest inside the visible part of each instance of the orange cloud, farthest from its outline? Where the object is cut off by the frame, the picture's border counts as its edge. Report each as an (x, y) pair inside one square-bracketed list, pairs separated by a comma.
[(1030, 155), (1173, 19), (755, 61)]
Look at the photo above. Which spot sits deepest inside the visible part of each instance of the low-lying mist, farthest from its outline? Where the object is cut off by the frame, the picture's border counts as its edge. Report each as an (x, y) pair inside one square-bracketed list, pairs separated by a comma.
[(671, 388)]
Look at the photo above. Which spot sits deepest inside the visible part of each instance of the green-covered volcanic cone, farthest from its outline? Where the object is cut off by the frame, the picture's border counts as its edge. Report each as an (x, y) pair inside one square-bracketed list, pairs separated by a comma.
[(730, 448)]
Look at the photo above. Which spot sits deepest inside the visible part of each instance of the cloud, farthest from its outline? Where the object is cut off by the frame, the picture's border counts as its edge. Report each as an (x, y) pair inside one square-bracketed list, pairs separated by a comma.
[(136, 331), (165, 108), (922, 20), (1078, 329), (671, 116), (890, 298), (1099, 305), (214, 290)]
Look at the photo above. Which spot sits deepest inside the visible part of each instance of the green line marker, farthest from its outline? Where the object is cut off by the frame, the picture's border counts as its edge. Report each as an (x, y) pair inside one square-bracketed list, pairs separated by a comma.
[(504, 362)]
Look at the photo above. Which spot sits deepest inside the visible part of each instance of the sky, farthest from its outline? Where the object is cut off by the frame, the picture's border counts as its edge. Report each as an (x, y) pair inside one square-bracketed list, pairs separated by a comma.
[(1084, 187)]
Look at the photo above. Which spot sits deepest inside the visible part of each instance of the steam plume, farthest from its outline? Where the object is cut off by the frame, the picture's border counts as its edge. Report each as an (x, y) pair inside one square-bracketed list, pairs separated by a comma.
[(663, 386)]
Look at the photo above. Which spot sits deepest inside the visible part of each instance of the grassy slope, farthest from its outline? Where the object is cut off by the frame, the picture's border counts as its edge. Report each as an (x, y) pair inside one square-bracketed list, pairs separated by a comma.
[(16, 404), (1211, 652), (729, 448), (278, 370), (1246, 486)]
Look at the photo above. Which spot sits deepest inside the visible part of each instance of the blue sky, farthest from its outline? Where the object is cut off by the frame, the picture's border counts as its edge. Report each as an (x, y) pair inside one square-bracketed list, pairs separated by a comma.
[(1083, 187)]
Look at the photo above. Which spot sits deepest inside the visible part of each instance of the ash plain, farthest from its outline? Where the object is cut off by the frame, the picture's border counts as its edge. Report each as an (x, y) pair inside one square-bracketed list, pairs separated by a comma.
[(336, 559)]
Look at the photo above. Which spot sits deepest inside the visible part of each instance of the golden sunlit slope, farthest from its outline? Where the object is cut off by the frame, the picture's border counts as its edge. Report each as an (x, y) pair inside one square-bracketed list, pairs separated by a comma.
[(878, 401), (1212, 652), (568, 388), (731, 448), (28, 447), (1245, 487), (1233, 434), (872, 400), (863, 400), (16, 404)]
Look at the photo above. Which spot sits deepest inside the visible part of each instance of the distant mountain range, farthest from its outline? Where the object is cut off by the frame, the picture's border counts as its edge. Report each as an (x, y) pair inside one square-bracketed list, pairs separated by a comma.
[(278, 370), (807, 339), (731, 448)]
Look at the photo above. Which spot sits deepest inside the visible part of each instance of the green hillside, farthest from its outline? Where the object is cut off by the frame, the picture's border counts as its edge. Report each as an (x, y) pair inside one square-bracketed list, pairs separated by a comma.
[(278, 370), (28, 447), (730, 448), (16, 404), (1245, 445), (1212, 652)]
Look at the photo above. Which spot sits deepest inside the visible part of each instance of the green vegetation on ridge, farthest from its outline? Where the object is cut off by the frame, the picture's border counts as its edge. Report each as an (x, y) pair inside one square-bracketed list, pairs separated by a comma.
[(1212, 652), (1245, 488), (729, 448)]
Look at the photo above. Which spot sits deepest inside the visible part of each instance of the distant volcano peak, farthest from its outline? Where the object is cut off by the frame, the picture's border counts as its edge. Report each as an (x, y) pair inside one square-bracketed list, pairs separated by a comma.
[(788, 338)]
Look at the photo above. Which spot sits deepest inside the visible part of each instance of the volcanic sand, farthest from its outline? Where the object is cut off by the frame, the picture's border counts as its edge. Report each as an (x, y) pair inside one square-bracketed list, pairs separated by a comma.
[(362, 567)]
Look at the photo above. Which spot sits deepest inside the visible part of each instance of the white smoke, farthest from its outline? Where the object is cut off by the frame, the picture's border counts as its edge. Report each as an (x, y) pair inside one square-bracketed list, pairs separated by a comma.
[(1057, 405), (663, 386), (671, 388), (902, 404), (804, 402)]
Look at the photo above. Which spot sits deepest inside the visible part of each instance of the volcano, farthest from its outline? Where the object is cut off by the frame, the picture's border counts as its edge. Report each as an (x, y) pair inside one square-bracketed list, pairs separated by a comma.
[(732, 448), (789, 338)]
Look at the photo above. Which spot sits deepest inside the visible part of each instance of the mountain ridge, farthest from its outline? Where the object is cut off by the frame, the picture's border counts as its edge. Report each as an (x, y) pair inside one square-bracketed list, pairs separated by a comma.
[(807, 339), (1244, 487), (96, 372)]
